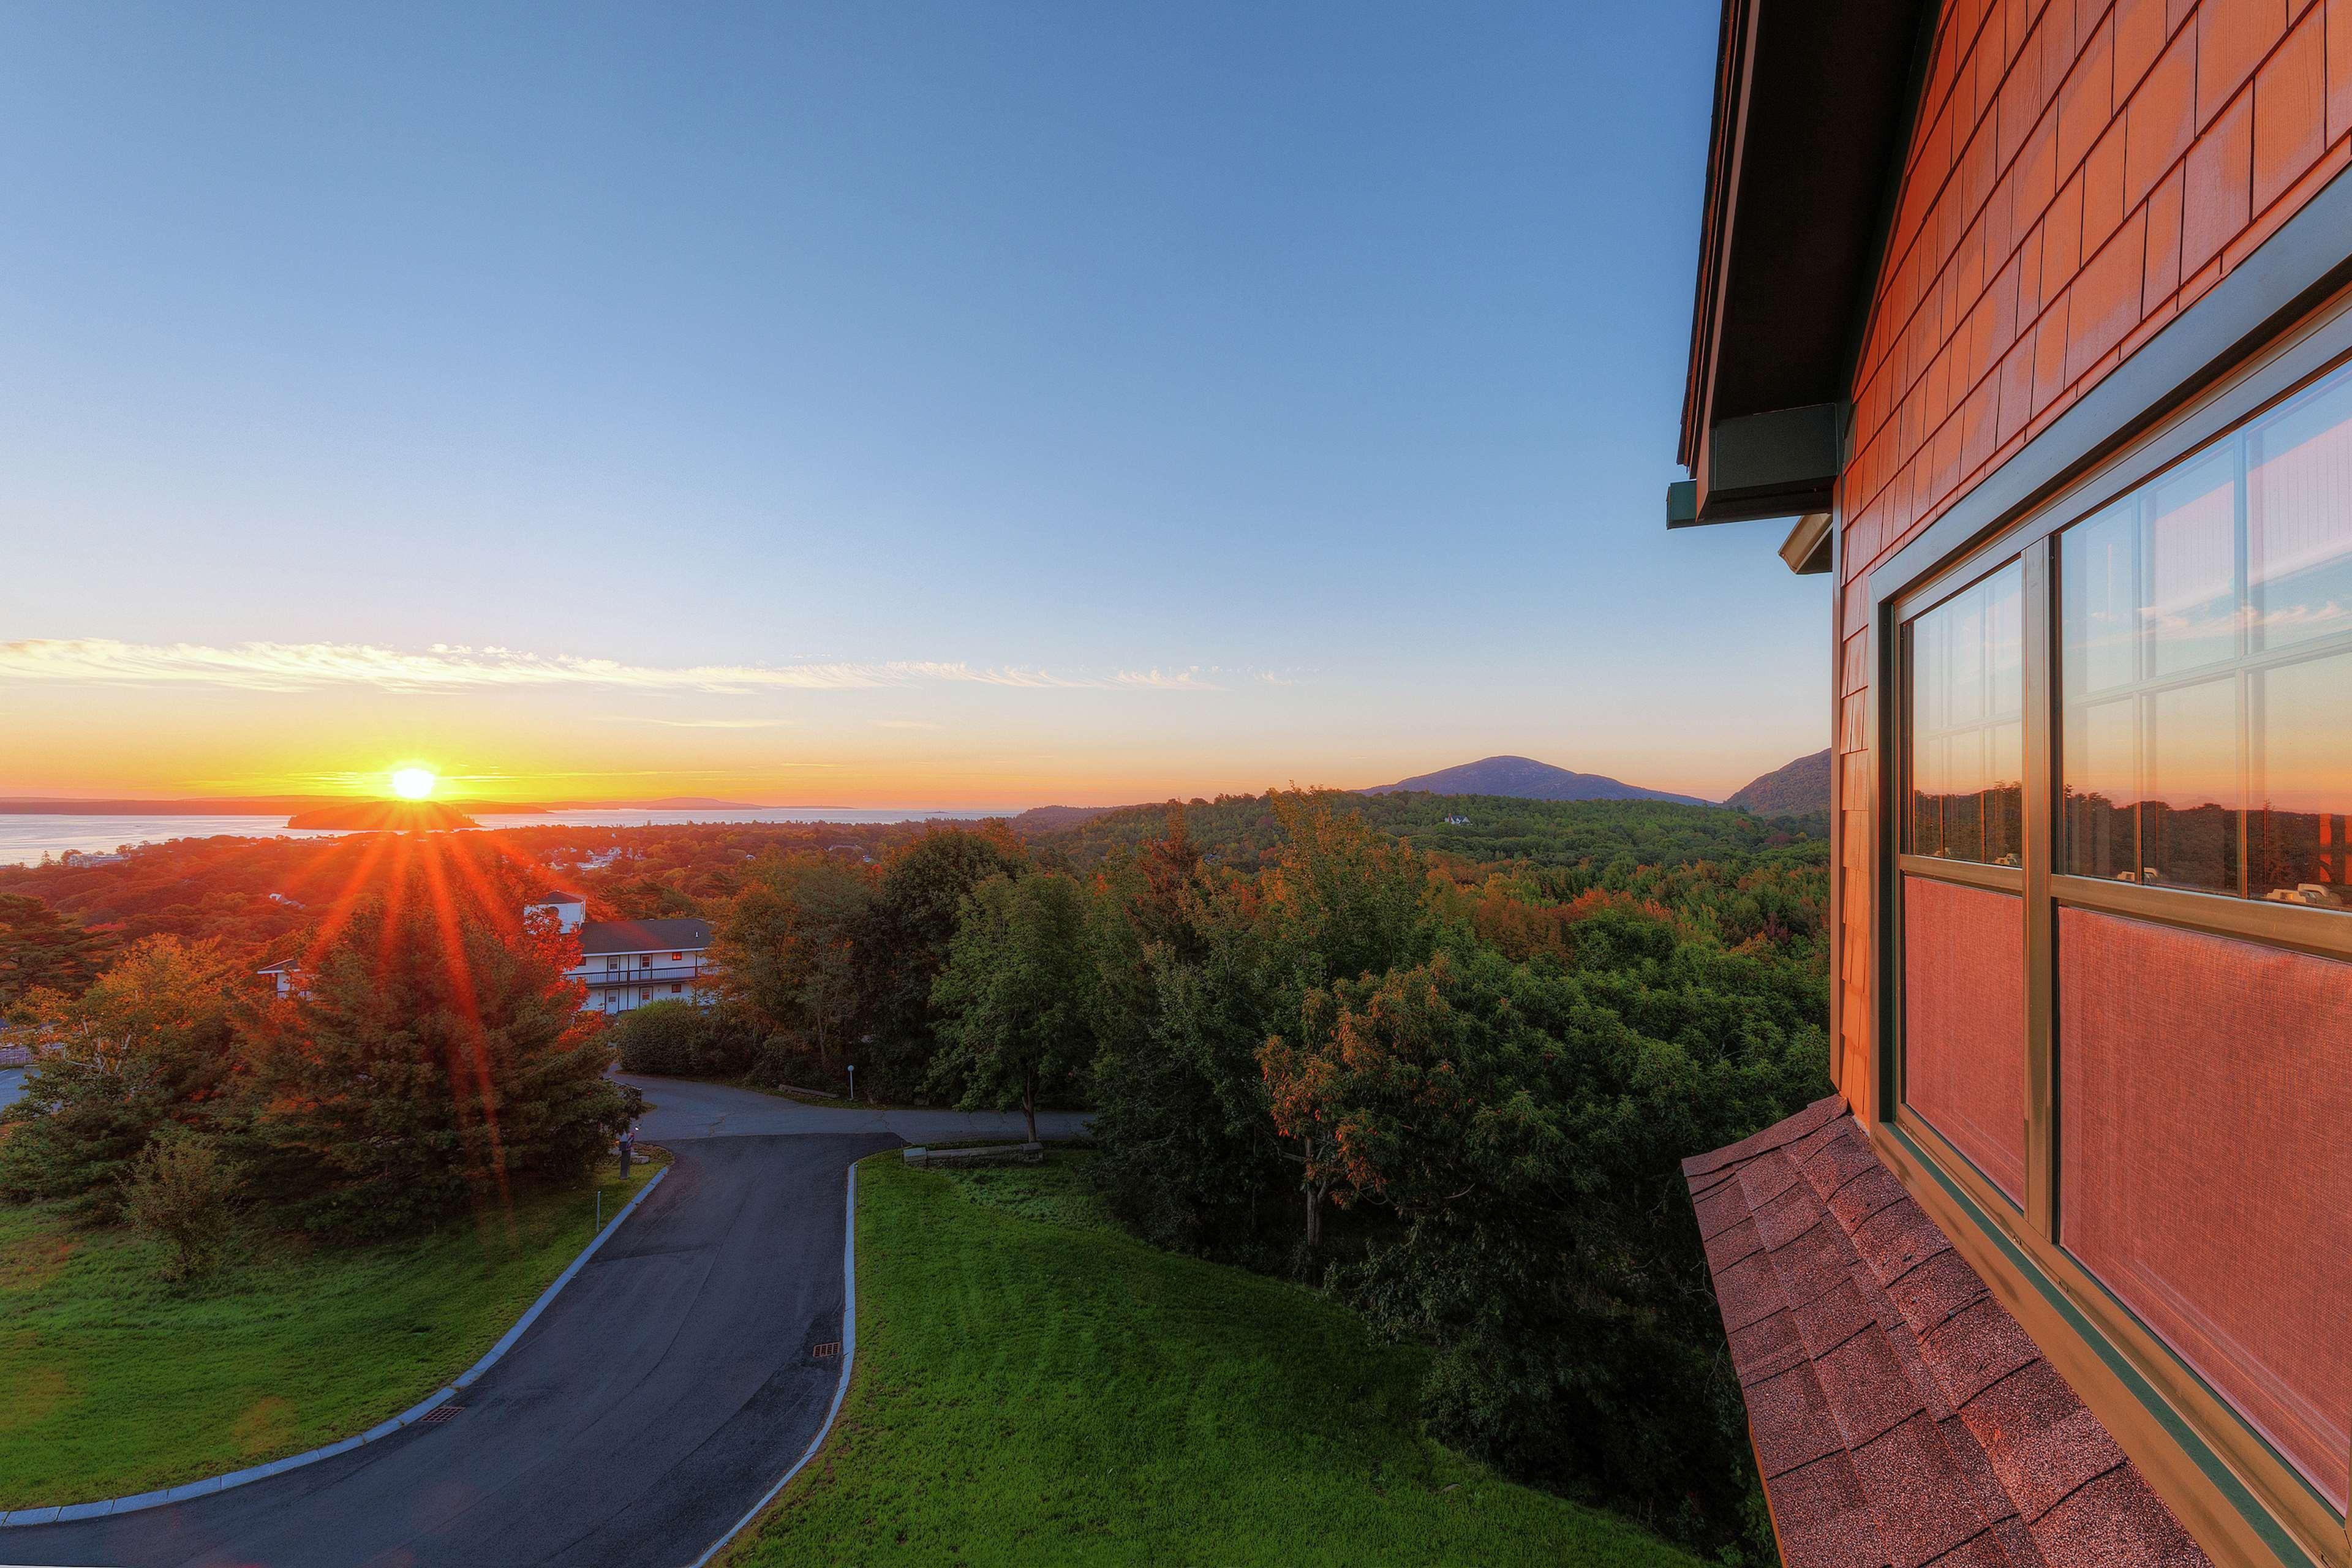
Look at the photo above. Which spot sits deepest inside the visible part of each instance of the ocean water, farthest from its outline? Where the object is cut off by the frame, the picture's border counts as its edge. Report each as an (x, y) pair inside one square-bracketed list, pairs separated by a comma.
[(24, 840)]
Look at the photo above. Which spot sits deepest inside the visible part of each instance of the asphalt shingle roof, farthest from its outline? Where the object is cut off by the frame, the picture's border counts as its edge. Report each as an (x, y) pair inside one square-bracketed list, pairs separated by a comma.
[(600, 937), (1900, 1414)]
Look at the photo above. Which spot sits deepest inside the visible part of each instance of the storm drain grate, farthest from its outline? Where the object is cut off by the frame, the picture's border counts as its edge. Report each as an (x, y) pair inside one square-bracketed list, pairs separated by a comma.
[(830, 1347), (438, 1413)]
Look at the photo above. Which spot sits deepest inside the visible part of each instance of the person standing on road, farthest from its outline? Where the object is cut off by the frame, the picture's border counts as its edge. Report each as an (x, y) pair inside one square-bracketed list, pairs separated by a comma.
[(628, 1147)]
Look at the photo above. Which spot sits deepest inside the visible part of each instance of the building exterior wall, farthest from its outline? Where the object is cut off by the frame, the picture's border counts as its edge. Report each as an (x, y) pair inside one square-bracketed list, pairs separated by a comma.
[(2080, 171)]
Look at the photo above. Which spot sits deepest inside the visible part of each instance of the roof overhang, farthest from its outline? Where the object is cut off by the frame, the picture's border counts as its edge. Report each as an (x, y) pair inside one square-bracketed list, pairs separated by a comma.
[(1814, 104)]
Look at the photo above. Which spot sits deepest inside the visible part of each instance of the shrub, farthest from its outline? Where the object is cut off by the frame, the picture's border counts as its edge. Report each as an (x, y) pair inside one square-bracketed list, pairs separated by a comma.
[(180, 1192), (661, 1037)]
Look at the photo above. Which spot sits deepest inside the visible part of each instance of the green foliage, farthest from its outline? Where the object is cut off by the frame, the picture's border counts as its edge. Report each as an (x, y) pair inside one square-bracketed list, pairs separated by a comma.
[(788, 951), (1034, 1389), (921, 893), (1015, 1004), (434, 1060), (42, 948), (1246, 831), (682, 1040), (181, 1192), (118, 1380), (1495, 1078), (151, 1043)]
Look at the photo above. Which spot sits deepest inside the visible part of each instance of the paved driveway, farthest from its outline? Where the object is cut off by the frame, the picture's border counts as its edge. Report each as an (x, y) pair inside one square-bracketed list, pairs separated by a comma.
[(647, 1410), (685, 1109), (12, 1084)]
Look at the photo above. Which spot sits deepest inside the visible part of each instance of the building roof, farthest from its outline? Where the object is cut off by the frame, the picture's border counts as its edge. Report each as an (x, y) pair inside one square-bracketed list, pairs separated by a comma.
[(600, 937), (558, 896), (283, 966), (1814, 107), (1900, 1415)]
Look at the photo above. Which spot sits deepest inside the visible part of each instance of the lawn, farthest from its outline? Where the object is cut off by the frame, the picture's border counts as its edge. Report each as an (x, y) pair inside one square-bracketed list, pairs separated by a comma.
[(118, 1382), (1033, 1387)]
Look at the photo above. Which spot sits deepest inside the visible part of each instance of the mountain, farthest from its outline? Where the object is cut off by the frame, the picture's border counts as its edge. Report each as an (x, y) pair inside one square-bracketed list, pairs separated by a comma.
[(1526, 779), (1799, 789)]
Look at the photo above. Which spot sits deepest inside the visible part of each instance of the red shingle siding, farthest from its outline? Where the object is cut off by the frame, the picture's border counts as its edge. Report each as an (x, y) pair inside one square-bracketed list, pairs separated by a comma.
[(2079, 174)]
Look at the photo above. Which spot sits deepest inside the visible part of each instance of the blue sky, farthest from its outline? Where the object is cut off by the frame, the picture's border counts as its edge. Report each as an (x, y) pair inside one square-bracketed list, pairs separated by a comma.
[(1292, 387)]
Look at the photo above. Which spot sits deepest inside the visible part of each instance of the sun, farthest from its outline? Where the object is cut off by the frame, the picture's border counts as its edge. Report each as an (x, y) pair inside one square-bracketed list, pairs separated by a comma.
[(413, 784)]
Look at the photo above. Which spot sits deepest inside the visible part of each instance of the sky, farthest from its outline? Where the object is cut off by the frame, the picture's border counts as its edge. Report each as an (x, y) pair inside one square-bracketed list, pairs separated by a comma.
[(866, 404)]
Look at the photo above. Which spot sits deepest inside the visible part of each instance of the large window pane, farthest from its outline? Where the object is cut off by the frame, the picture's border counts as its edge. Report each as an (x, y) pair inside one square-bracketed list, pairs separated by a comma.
[(2102, 748), (2206, 666), (2301, 802), (2189, 820), (1968, 690), (2299, 519), (2191, 535)]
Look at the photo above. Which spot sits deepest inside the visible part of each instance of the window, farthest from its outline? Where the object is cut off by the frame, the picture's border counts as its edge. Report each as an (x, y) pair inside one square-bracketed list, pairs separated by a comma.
[(675, 956), (2206, 666), (678, 988), (2125, 1050), (1967, 730)]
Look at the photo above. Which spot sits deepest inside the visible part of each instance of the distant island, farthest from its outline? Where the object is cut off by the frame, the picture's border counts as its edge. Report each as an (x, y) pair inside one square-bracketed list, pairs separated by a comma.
[(1524, 778), (384, 816)]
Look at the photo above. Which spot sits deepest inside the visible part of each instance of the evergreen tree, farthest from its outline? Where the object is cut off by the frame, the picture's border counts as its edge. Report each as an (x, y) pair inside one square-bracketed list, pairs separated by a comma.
[(437, 1055), (42, 948), (151, 1042)]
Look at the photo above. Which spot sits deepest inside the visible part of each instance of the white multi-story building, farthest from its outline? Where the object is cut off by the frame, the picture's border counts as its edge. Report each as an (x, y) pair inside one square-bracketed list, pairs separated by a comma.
[(629, 963), (623, 963)]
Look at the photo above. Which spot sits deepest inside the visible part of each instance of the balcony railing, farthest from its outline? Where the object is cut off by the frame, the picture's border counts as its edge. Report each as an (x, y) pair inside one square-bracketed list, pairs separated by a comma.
[(595, 977)]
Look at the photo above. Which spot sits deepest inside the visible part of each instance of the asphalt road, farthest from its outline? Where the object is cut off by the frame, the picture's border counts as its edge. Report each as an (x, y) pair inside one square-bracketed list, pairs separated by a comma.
[(683, 1109), (12, 1084), (652, 1404)]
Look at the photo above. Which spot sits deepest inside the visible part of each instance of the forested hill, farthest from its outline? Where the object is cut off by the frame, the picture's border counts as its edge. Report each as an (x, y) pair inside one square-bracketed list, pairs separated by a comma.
[(1241, 830), (1524, 778), (1800, 789)]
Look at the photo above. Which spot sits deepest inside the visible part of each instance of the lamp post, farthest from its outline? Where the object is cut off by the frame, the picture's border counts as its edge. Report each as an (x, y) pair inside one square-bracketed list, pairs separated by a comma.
[(853, 1083)]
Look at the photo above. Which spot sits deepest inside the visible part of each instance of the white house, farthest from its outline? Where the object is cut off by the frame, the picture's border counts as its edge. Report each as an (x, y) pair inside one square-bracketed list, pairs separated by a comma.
[(623, 963), (282, 973), (628, 963)]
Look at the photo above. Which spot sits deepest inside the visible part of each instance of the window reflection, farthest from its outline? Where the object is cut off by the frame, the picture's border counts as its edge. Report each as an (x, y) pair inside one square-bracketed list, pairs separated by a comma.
[(2207, 667), (1968, 705)]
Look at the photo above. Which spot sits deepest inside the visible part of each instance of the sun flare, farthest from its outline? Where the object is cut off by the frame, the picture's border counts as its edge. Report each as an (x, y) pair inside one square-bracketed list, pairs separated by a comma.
[(413, 784)]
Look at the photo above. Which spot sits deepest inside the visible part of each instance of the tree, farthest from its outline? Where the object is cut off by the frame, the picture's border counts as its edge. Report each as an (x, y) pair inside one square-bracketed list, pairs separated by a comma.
[(1014, 999), (151, 1042), (905, 939), (179, 1193), (438, 1055), (41, 948), (788, 948)]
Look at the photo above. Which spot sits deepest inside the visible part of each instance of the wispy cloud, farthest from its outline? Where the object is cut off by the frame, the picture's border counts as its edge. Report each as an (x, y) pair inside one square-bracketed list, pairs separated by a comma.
[(697, 723), (299, 667), (904, 724)]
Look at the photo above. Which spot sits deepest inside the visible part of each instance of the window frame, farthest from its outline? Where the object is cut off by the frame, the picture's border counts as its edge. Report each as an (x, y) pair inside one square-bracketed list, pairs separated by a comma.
[(1904, 588)]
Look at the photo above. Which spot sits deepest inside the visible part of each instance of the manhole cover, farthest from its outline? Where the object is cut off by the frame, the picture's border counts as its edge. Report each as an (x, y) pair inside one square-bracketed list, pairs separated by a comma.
[(438, 1413), (830, 1347)]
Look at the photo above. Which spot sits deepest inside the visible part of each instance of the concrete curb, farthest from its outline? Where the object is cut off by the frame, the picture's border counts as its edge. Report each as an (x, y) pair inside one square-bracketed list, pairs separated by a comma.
[(848, 1354), (137, 1500)]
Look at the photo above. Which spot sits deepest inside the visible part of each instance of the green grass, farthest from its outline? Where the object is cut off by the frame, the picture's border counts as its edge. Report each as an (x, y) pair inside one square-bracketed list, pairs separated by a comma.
[(118, 1382), (1033, 1387)]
